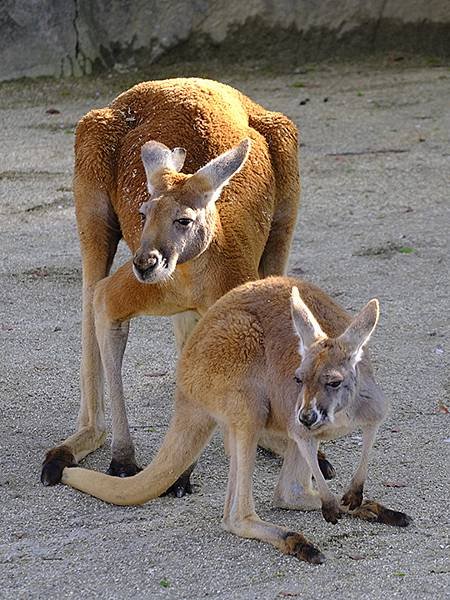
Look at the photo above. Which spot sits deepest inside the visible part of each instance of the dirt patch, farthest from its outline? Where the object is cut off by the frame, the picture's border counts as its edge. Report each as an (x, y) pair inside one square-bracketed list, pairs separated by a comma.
[(50, 274), (27, 175), (387, 250)]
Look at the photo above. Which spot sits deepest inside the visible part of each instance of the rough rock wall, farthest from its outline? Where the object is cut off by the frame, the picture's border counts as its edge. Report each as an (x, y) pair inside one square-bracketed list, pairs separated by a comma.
[(37, 37), (65, 37)]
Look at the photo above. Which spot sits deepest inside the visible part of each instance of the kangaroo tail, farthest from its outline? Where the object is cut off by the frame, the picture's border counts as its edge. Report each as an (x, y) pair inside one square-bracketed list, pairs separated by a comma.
[(189, 432)]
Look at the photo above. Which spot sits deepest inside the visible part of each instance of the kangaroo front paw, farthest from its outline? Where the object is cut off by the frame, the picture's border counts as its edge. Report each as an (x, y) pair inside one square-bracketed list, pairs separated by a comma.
[(353, 497), (331, 511), (54, 463), (122, 469)]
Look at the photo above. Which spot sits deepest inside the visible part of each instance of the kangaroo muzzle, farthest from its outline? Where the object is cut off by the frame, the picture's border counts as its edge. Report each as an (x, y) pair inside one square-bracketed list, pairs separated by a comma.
[(308, 418), (144, 264)]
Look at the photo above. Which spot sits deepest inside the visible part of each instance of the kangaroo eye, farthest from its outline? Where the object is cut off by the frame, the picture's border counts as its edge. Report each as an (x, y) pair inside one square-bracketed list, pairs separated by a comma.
[(184, 222), (298, 380), (334, 384)]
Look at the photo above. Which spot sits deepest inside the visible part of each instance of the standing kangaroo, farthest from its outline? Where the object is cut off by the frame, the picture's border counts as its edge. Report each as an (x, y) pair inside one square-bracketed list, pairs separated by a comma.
[(261, 358), (228, 220)]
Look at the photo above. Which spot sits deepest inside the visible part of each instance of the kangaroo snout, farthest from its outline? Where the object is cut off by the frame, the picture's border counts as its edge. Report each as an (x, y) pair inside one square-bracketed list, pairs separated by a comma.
[(308, 418), (144, 263)]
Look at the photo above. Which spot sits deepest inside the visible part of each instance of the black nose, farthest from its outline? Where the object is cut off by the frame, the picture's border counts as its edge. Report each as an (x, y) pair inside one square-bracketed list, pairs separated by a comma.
[(307, 418), (146, 264)]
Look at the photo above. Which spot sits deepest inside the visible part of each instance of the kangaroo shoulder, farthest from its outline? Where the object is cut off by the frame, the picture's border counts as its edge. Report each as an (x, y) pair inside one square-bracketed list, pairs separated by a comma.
[(221, 350)]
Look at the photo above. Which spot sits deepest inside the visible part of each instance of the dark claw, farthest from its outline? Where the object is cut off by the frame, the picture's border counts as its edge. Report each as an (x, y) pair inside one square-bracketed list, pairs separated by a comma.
[(309, 553), (119, 469), (331, 512), (181, 487), (54, 463), (315, 556), (328, 471)]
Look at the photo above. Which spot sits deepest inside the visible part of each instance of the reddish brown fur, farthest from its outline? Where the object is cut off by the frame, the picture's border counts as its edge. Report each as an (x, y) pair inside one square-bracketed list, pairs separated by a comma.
[(209, 118), (251, 224)]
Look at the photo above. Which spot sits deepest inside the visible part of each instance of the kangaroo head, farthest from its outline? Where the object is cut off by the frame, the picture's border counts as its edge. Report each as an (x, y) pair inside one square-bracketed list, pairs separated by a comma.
[(179, 219), (328, 374)]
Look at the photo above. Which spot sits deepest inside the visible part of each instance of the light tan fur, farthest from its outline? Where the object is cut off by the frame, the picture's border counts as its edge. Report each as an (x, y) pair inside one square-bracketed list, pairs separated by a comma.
[(240, 189), (253, 368)]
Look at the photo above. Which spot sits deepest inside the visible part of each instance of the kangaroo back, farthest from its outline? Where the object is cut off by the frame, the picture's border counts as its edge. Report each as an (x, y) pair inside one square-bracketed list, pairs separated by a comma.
[(205, 117)]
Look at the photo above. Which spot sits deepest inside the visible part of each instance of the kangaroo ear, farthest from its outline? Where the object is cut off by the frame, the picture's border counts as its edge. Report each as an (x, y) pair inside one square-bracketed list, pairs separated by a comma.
[(358, 333), (306, 326), (157, 157), (218, 172), (178, 158)]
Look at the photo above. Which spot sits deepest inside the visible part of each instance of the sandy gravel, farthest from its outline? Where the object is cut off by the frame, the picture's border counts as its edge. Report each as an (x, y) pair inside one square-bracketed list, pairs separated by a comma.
[(374, 221)]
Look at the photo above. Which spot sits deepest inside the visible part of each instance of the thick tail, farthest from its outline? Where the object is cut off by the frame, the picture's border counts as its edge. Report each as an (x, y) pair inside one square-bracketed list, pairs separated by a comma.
[(189, 431)]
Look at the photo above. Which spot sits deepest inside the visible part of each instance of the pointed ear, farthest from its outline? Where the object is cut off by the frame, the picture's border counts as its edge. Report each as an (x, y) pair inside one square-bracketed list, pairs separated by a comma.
[(358, 333), (157, 157), (218, 172), (178, 158), (306, 326)]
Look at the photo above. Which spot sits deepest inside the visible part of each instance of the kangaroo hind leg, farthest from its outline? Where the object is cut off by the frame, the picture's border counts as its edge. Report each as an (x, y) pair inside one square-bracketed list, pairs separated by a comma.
[(99, 235), (240, 517), (183, 324), (294, 489)]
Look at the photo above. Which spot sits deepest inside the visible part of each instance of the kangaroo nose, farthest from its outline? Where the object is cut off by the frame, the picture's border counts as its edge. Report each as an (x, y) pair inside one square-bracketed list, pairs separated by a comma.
[(146, 263), (307, 418)]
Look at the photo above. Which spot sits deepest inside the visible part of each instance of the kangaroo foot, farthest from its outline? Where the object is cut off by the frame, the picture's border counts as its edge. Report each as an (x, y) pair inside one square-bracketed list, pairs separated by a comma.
[(377, 513), (55, 461), (182, 485), (298, 546), (328, 471), (123, 469)]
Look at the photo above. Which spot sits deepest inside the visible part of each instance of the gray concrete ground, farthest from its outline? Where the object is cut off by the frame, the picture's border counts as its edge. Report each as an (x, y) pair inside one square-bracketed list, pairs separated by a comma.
[(374, 221)]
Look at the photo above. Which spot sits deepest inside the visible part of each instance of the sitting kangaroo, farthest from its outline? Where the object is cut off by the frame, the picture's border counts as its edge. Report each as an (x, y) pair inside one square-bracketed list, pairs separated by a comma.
[(229, 219), (250, 366)]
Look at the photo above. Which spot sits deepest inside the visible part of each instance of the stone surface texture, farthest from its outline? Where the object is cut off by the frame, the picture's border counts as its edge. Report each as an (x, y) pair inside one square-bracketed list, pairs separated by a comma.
[(75, 37)]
